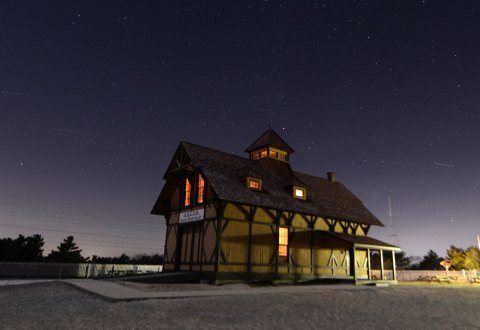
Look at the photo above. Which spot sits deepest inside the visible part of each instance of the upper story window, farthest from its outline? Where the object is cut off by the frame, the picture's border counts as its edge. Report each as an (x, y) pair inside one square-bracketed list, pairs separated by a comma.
[(253, 183), (200, 189), (299, 192), (188, 192)]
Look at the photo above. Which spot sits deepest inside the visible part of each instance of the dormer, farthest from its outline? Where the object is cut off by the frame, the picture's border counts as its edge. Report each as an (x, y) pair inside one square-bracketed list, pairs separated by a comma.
[(270, 145)]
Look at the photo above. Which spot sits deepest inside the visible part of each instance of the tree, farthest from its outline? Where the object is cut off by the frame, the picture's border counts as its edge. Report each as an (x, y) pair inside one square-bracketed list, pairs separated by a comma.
[(22, 248), (457, 257), (472, 258), (67, 252), (430, 261), (148, 259), (402, 261)]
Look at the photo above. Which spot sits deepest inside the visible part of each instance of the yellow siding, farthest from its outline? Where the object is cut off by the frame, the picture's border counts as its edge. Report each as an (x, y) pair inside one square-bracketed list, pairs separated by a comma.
[(263, 243), (232, 269), (361, 262), (235, 242), (321, 224), (282, 269), (263, 269), (331, 262), (338, 228), (262, 216), (300, 248), (231, 211), (299, 222)]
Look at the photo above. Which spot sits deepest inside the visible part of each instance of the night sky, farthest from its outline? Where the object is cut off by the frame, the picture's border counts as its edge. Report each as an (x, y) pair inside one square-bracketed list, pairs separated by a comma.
[(95, 97)]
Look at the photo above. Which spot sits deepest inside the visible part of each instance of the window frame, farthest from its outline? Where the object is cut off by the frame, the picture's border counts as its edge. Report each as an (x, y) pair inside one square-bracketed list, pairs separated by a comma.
[(250, 180), (200, 189), (283, 243), (302, 189)]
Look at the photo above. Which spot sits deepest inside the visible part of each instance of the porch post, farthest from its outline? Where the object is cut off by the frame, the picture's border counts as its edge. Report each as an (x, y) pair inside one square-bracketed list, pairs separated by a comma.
[(381, 265), (353, 264), (369, 265), (394, 270)]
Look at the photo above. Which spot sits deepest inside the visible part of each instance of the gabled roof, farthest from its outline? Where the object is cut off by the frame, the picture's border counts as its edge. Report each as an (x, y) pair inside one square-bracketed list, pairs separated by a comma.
[(324, 198), (272, 139)]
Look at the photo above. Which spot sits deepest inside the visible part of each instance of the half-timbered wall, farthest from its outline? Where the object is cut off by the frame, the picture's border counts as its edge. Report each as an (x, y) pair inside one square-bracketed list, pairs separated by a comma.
[(249, 240)]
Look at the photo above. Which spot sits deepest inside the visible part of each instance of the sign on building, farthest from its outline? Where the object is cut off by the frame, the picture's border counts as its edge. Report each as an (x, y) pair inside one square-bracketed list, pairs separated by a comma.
[(192, 215)]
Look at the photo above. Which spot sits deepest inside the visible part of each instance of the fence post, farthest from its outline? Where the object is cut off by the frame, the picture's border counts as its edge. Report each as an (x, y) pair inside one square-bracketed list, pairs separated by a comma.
[(60, 271)]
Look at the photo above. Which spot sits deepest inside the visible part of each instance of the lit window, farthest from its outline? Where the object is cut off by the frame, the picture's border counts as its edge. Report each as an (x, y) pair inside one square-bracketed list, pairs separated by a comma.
[(200, 189), (300, 193), (188, 192), (263, 154), (254, 184), (282, 242), (273, 154)]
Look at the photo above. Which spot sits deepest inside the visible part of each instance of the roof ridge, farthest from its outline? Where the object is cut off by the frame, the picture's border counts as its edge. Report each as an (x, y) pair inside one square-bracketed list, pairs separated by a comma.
[(215, 150)]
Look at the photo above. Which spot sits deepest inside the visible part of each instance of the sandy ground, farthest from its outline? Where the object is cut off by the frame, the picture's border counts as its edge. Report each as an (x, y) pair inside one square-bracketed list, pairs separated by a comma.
[(57, 305)]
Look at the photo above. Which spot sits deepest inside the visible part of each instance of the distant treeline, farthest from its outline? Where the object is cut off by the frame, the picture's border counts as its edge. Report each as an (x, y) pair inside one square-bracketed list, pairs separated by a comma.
[(30, 248), (460, 259)]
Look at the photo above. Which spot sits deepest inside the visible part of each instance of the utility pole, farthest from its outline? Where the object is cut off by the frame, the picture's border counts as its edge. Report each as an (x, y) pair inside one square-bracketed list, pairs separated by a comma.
[(393, 232)]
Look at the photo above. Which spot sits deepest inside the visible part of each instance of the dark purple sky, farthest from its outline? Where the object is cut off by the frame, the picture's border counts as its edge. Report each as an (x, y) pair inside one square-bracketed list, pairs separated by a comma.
[(95, 97)]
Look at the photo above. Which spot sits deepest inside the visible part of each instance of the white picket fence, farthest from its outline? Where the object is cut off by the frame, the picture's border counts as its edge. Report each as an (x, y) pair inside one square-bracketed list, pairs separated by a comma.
[(83, 270), (415, 275)]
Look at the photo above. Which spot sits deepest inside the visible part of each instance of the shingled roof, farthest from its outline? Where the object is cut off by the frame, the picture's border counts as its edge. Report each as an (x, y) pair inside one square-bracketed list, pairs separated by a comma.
[(272, 139), (327, 199)]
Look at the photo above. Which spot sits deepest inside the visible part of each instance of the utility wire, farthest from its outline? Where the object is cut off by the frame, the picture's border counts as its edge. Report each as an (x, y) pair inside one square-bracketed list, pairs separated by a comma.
[(75, 232), (82, 214), (26, 215)]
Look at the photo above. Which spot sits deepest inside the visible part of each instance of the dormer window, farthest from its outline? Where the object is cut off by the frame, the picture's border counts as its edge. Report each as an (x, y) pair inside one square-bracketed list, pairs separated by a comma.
[(254, 183), (299, 192)]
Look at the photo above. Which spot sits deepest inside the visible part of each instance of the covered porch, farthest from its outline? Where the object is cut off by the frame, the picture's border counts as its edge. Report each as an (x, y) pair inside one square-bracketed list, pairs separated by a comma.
[(371, 261)]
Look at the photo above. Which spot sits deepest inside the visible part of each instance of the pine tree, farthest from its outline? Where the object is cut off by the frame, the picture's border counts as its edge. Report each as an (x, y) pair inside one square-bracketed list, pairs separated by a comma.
[(67, 252)]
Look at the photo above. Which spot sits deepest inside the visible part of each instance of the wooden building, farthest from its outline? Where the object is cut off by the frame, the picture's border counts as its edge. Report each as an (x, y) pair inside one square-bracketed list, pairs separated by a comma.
[(255, 218)]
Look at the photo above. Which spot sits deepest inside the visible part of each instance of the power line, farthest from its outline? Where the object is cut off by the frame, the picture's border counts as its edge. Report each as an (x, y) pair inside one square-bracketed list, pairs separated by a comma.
[(26, 215), (74, 232), (83, 243), (80, 214)]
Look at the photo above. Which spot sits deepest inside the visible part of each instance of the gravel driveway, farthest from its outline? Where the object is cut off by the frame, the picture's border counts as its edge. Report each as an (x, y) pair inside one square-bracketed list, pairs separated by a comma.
[(56, 305)]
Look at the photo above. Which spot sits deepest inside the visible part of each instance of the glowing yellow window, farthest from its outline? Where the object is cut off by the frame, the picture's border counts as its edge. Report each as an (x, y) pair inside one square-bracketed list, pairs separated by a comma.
[(282, 242), (188, 192), (200, 189), (254, 184), (263, 154), (300, 193)]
